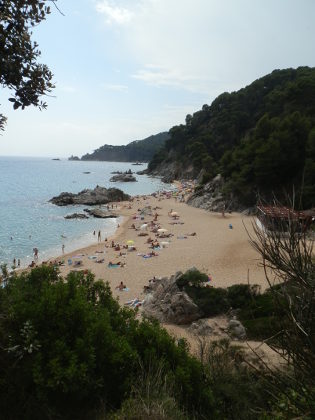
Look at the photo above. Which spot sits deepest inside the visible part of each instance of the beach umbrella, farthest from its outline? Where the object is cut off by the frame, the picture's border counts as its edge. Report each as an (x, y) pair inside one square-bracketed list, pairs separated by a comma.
[(144, 226), (162, 230), (130, 242)]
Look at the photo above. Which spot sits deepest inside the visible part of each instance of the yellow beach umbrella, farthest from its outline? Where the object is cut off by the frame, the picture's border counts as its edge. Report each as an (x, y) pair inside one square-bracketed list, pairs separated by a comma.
[(130, 242)]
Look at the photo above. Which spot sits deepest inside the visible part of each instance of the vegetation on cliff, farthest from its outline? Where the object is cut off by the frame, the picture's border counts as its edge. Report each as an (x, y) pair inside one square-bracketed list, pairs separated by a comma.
[(136, 151), (260, 138)]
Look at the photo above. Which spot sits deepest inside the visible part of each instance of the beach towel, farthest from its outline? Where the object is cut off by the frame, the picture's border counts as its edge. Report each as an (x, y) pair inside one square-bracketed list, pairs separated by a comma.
[(92, 257), (113, 265)]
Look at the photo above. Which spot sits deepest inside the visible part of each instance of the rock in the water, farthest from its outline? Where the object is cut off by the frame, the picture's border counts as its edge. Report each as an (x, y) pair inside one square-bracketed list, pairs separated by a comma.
[(168, 303), (143, 172), (101, 214), (236, 329), (76, 216), (99, 195), (126, 177)]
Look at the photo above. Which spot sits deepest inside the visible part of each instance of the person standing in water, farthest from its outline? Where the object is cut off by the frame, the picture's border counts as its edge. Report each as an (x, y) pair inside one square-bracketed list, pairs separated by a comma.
[(63, 248), (99, 236)]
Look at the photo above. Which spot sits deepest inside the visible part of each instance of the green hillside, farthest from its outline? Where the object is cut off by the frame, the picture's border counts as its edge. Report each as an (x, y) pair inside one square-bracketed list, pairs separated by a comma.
[(136, 151), (260, 138)]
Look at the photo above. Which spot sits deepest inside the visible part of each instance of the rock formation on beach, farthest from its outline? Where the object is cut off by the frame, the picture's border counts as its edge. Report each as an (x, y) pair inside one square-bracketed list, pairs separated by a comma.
[(125, 177), (101, 214), (99, 195), (76, 216), (168, 303)]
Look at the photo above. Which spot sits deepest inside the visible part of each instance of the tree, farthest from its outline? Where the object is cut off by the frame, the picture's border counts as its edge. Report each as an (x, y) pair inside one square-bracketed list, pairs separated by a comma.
[(288, 260), (67, 349), (20, 70)]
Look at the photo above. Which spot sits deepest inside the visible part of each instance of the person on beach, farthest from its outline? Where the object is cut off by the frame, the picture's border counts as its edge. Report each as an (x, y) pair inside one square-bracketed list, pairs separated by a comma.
[(99, 236), (121, 286), (94, 232), (63, 248), (14, 262), (35, 250), (19, 262)]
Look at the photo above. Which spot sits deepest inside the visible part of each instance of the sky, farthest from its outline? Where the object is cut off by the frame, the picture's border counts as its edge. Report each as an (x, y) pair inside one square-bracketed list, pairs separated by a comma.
[(126, 69)]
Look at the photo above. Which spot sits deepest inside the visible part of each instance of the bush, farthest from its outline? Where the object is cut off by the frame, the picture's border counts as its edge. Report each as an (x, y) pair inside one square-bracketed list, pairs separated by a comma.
[(68, 348), (212, 301), (192, 278)]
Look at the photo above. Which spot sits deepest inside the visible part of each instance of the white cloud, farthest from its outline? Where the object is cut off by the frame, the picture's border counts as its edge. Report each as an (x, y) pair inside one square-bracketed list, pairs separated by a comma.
[(67, 88), (114, 87), (159, 76), (114, 14)]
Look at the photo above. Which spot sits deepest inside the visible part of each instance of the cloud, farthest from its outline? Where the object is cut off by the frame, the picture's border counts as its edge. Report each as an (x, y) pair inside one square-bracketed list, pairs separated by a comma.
[(114, 14), (115, 87), (67, 88), (161, 76)]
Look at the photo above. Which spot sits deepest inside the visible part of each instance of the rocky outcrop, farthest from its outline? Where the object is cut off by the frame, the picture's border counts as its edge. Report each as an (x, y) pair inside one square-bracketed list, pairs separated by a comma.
[(209, 196), (171, 169), (143, 172), (73, 158), (126, 177), (120, 172), (99, 195), (76, 216), (101, 214), (236, 330), (168, 303)]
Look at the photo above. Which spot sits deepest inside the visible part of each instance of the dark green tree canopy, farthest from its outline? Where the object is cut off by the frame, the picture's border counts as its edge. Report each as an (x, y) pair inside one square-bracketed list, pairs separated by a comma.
[(20, 70), (259, 138)]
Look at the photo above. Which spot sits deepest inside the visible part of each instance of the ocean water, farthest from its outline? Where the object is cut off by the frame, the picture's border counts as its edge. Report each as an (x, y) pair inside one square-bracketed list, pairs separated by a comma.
[(28, 220)]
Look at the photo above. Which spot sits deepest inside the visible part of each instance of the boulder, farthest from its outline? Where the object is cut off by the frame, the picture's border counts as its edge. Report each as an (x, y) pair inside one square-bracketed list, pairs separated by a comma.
[(76, 216), (201, 327), (101, 214), (99, 195), (236, 329), (143, 172), (126, 177), (168, 303)]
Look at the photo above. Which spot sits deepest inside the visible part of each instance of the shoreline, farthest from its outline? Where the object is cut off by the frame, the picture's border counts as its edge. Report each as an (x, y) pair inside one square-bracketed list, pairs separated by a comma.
[(223, 253)]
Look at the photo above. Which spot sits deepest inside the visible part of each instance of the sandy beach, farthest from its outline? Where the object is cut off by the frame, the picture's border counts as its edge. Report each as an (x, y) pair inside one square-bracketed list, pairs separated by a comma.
[(224, 253)]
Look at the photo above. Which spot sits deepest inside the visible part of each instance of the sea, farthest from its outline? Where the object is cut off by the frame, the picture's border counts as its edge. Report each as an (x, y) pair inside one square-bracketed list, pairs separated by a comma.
[(28, 220)]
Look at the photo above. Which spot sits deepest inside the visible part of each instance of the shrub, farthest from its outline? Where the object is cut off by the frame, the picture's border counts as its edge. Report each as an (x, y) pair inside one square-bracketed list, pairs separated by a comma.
[(192, 278), (67, 348)]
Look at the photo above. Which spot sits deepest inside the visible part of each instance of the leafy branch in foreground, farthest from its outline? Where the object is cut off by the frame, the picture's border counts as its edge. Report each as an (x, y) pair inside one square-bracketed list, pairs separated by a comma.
[(20, 70)]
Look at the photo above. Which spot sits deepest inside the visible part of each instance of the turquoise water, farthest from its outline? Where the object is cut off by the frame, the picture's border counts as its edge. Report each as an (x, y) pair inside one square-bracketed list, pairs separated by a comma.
[(26, 216)]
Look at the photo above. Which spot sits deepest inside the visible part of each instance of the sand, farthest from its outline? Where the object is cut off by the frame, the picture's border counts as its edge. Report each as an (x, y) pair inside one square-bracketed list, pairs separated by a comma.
[(224, 253)]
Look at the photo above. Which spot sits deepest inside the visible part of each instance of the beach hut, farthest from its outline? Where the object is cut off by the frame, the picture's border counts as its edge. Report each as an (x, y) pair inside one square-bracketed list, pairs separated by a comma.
[(279, 218)]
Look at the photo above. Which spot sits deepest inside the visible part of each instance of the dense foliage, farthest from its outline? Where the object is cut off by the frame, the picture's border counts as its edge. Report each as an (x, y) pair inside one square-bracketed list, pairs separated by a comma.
[(259, 315), (261, 138), (136, 151), (68, 349), (19, 67)]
